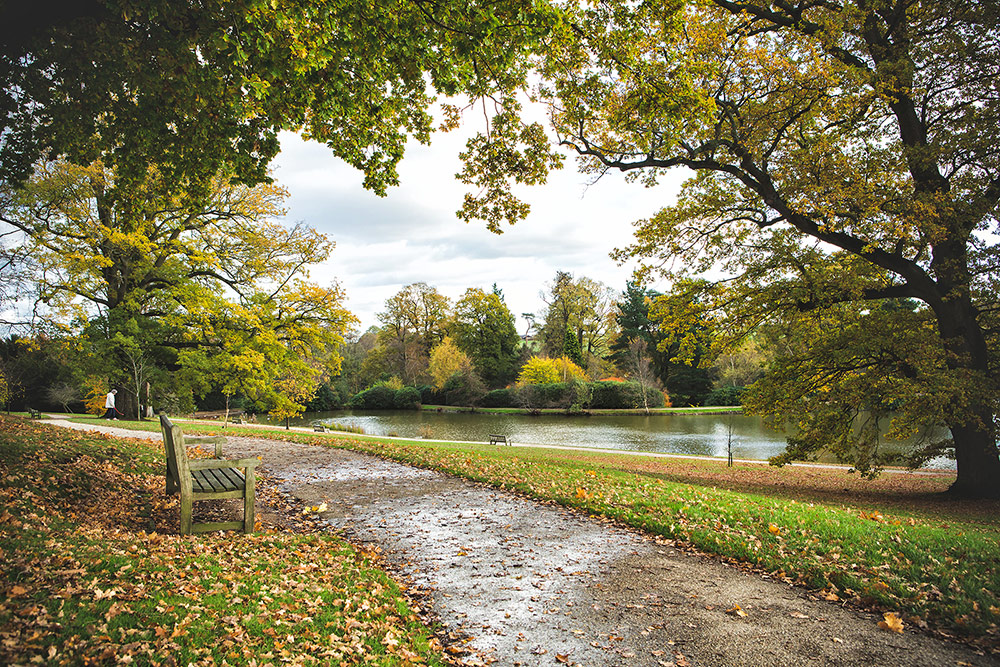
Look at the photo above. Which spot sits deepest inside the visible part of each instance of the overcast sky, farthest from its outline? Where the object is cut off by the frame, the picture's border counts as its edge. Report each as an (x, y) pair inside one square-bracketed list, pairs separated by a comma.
[(412, 235)]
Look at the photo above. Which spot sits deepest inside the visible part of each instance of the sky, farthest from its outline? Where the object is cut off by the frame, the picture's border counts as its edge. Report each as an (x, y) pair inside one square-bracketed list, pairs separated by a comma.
[(413, 235)]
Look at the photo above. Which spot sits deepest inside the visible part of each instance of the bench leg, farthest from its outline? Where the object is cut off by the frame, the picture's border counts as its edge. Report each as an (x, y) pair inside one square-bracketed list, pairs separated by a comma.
[(186, 509), (248, 502)]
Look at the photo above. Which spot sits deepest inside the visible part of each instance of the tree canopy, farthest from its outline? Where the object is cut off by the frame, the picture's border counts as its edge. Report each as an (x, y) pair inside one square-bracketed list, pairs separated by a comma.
[(190, 87), (215, 288), (846, 155)]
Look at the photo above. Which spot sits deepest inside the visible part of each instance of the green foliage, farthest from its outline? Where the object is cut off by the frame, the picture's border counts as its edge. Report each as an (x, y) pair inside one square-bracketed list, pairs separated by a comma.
[(843, 153), (407, 398), (385, 397), (725, 396), (499, 398), (212, 84), (326, 398), (585, 308), (484, 329), (464, 388), (624, 395), (210, 287), (571, 348)]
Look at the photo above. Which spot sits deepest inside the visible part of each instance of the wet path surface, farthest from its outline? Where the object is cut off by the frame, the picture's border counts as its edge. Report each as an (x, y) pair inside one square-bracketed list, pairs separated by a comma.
[(535, 584)]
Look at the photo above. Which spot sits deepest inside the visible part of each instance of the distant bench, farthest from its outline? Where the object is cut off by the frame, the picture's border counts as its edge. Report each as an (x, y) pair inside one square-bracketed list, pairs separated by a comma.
[(206, 479), (499, 440), (34, 414)]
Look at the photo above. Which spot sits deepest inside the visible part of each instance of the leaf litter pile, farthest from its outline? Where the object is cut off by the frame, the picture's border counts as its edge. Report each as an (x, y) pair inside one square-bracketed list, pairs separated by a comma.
[(95, 572)]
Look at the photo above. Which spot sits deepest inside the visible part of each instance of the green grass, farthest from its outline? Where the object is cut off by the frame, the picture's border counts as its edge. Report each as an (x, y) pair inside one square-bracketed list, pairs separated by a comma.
[(893, 544), (94, 572)]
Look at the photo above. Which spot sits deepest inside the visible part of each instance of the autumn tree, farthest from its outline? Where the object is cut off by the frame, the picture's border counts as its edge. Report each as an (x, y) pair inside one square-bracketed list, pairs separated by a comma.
[(583, 306), (484, 329), (415, 319), (152, 275), (845, 154), (446, 359), (543, 370)]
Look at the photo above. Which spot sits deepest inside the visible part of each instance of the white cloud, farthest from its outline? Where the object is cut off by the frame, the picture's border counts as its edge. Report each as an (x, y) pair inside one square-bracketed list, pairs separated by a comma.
[(413, 235)]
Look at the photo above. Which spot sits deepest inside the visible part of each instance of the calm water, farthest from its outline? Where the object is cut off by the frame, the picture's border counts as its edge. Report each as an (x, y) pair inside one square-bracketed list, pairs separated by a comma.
[(703, 435)]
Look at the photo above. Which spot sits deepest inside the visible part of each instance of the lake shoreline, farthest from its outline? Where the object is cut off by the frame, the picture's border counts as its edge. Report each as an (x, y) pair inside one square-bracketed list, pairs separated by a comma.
[(603, 412)]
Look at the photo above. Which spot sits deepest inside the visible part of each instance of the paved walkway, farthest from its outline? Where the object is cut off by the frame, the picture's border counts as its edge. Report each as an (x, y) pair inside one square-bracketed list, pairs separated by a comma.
[(535, 584)]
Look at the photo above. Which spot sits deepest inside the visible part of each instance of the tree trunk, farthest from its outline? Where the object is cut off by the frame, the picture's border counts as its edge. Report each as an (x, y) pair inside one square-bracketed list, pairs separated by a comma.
[(974, 433), (978, 462)]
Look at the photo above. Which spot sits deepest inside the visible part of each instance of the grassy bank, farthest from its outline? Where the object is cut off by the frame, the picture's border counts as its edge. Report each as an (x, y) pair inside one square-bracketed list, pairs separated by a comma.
[(94, 572)]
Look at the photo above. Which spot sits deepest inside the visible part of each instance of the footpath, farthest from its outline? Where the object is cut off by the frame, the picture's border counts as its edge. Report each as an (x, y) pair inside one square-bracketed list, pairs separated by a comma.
[(525, 583)]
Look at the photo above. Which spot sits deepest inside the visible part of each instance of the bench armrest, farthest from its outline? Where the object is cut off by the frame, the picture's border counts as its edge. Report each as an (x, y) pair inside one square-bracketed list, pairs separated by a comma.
[(215, 464)]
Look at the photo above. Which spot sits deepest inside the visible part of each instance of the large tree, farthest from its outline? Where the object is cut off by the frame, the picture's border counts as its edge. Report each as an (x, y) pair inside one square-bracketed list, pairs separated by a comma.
[(846, 152), (214, 284), (484, 329), (415, 320), (583, 306)]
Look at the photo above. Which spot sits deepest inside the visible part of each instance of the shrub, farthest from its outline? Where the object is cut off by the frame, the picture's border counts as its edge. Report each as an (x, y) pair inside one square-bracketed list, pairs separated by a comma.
[(464, 388), (542, 370), (379, 397), (725, 396), (407, 398), (499, 398), (615, 395)]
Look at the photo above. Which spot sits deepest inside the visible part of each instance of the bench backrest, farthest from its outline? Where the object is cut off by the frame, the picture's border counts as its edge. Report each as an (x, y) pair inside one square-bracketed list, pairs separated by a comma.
[(173, 442)]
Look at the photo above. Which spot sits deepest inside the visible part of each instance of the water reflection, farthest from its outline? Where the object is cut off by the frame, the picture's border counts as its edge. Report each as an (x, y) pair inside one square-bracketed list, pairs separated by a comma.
[(705, 435)]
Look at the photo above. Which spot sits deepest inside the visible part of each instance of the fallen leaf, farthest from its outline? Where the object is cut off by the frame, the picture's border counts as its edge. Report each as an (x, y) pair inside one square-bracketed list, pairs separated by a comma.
[(892, 623), (737, 611), (773, 529), (563, 658), (797, 614)]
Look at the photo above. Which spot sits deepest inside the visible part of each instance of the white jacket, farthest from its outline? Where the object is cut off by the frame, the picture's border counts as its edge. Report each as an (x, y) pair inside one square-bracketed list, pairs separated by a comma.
[(109, 402)]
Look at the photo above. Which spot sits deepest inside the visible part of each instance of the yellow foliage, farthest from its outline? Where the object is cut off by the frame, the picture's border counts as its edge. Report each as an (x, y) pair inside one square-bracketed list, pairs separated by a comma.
[(542, 370), (446, 360), (97, 391)]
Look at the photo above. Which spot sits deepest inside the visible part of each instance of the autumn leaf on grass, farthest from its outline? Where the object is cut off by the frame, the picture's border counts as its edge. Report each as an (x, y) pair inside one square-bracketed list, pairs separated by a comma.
[(737, 611), (583, 494), (892, 623), (773, 529)]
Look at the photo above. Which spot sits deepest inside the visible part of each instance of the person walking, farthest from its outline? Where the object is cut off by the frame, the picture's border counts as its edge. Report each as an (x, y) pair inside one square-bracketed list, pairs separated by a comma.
[(111, 411)]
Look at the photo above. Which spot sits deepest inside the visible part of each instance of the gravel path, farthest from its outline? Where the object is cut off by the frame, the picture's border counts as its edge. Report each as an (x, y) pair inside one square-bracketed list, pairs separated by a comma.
[(535, 584)]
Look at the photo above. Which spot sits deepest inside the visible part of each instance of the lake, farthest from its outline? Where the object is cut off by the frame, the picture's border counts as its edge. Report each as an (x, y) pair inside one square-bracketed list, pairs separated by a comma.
[(693, 434)]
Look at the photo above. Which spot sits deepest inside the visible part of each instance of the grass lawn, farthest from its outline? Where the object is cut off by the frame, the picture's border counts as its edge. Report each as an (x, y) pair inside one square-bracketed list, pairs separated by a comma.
[(892, 544), (94, 572)]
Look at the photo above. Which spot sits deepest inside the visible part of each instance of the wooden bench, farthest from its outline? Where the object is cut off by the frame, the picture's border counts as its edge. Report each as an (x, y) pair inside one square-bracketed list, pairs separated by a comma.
[(498, 440), (206, 479), (236, 420), (34, 414), (319, 428)]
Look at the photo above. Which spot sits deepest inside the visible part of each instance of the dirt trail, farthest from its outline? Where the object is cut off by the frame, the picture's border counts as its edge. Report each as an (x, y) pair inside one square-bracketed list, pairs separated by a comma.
[(536, 584)]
